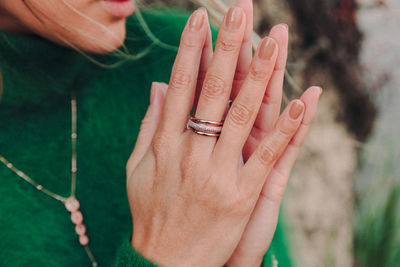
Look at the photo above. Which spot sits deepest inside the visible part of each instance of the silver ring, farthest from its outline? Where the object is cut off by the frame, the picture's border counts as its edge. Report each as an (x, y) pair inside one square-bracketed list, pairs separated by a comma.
[(205, 127)]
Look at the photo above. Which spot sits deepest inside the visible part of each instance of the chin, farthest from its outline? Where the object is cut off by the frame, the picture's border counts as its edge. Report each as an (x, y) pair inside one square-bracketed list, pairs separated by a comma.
[(104, 41)]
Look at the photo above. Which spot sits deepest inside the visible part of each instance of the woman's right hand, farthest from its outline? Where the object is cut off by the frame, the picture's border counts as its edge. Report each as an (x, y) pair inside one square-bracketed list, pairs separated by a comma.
[(192, 196)]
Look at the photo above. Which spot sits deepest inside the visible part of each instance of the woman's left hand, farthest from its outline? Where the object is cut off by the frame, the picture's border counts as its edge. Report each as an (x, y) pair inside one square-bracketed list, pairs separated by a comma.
[(255, 239)]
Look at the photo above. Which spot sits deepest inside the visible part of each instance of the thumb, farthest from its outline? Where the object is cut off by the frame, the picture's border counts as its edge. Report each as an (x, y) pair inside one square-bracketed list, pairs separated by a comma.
[(149, 124)]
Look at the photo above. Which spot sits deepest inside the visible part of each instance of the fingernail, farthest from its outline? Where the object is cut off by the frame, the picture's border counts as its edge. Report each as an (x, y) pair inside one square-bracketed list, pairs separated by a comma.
[(267, 48), (196, 21), (233, 19), (296, 109), (285, 25)]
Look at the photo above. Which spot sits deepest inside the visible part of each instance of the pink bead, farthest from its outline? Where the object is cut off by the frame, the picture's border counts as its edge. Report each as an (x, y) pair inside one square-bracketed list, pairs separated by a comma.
[(80, 229), (72, 204), (77, 217), (84, 240)]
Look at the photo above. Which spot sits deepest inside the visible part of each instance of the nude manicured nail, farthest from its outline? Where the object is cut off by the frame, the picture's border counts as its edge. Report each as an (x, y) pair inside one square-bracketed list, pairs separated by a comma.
[(267, 48), (196, 21), (234, 18), (296, 109)]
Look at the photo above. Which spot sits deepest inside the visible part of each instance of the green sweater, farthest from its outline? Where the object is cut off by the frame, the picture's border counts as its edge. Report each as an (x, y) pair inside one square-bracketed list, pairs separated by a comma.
[(35, 136)]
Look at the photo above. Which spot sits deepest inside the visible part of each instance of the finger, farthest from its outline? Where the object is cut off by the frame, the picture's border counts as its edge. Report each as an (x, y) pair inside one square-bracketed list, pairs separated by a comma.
[(271, 105), (271, 147), (205, 62), (179, 99), (277, 180), (245, 55), (261, 227), (244, 109), (218, 81), (149, 124)]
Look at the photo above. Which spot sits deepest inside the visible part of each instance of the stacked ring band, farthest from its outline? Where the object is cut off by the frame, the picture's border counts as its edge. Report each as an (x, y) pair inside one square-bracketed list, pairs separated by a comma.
[(204, 127)]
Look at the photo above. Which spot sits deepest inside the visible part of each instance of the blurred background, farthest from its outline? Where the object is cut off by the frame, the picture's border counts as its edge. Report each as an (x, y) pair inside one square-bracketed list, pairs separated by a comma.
[(342, 206)]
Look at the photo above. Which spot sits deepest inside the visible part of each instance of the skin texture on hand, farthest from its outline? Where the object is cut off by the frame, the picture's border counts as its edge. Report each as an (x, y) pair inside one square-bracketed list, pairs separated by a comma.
[(207, 201)]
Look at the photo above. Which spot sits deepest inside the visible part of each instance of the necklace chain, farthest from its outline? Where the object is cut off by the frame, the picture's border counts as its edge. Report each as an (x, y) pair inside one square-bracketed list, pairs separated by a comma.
[(74, 137), (71, 203)]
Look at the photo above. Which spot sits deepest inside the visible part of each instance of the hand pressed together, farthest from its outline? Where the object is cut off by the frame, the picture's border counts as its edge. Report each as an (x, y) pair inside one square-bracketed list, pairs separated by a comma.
[(211, 201)]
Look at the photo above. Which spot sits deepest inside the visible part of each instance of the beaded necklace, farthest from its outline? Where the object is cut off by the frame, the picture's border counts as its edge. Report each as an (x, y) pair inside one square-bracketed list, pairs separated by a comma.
[(71, 203)]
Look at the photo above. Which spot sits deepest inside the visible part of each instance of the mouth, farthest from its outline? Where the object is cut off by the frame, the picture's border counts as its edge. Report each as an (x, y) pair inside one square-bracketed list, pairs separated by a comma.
[(119, 8)]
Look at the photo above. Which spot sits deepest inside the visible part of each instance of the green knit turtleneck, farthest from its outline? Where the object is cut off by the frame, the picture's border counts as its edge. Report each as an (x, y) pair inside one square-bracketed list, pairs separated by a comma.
[(35, 120)]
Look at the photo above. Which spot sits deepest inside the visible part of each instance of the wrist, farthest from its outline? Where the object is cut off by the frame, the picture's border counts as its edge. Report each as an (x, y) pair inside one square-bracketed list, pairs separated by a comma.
[(156, 252), (163, 251), (141, 250), (250, 260)]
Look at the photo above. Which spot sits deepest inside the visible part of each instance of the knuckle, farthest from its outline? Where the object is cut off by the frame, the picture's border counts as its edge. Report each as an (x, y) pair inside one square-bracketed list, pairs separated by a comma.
[(180, 81), (240, 114), (237, 205), (214, 86), (190, 41), (267, 154), (275, 192), (270, 197), (288, 128), (228, 45), (258, 72), (160, 145)]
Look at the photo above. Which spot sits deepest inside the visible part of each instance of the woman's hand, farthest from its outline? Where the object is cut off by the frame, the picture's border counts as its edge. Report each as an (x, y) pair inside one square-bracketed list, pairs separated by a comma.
[(194, 201), (261, 227)]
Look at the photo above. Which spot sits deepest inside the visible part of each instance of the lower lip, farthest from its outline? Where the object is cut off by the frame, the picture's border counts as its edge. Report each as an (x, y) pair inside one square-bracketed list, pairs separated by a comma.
[(119, 8)]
